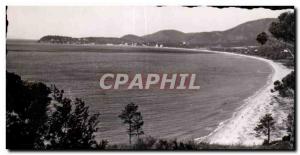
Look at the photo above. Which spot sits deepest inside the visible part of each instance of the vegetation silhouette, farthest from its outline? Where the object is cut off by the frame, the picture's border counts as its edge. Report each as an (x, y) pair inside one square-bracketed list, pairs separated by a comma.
[(26, 112), (134, 119), (284, 28), (39, 117), (36, 121), (264, 127), (286, 87), (262, 38)]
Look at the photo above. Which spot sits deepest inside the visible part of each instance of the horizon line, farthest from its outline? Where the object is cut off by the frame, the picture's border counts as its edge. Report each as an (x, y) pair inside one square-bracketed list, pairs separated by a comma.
[(7, 38)]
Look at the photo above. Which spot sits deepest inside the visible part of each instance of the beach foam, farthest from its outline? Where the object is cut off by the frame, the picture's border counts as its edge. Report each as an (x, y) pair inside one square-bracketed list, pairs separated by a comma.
[(239, 128)]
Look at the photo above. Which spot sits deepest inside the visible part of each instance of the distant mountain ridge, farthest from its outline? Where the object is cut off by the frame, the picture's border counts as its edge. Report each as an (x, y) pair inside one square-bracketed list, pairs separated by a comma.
[(241, 35)]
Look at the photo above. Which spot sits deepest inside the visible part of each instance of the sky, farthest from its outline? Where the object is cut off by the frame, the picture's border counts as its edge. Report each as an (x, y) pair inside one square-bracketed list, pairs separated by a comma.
[(34, 22)]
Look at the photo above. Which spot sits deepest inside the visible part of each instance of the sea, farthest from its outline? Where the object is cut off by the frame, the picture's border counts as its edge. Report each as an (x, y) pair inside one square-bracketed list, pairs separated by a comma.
[(225, 82)]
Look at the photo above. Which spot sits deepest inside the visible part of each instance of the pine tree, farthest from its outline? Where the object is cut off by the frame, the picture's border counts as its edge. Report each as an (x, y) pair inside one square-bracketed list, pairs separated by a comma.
[(133, 118), (70, 125), (265, 126), (137, 124)]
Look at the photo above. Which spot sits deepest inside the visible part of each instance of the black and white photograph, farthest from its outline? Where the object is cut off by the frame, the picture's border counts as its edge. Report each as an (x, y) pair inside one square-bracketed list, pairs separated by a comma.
[(146, 78)]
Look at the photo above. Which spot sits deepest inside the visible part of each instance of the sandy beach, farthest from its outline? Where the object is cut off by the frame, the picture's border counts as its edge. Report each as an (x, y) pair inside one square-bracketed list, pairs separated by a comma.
[(239, 128)]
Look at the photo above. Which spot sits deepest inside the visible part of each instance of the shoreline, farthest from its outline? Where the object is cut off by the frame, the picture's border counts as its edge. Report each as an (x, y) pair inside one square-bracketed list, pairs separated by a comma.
[(238, 130)]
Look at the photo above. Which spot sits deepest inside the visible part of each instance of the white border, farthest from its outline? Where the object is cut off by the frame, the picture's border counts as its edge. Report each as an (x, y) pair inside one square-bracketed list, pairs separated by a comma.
[(3, 3)]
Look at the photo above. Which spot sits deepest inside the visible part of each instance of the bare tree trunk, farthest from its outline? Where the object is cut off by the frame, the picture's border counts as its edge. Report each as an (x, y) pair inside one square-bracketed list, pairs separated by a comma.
[(269, 130), (130, 134), (268, 135)]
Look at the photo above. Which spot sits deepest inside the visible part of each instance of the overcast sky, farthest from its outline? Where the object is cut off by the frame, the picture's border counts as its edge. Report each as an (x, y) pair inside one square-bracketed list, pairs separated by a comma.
[(33, 22)]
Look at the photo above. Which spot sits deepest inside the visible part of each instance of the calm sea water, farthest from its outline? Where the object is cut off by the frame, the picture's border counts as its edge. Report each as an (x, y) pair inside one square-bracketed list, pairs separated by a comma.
[(225, 82)]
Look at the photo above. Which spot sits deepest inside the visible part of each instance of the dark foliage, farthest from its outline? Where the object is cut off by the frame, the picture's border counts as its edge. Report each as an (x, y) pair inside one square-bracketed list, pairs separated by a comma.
[(284, 28), (175, 145), (150, 143), (290, 123), (265, 126), (70, 126), (146, 143), (137, 124), (286, 87), (25, 112), (262, 38), (33, 121), (134, 119)]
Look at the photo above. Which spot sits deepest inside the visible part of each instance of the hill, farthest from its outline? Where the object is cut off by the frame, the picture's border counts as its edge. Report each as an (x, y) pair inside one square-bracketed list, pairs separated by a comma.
[(166, 36), (130, 38), (241, 35)]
